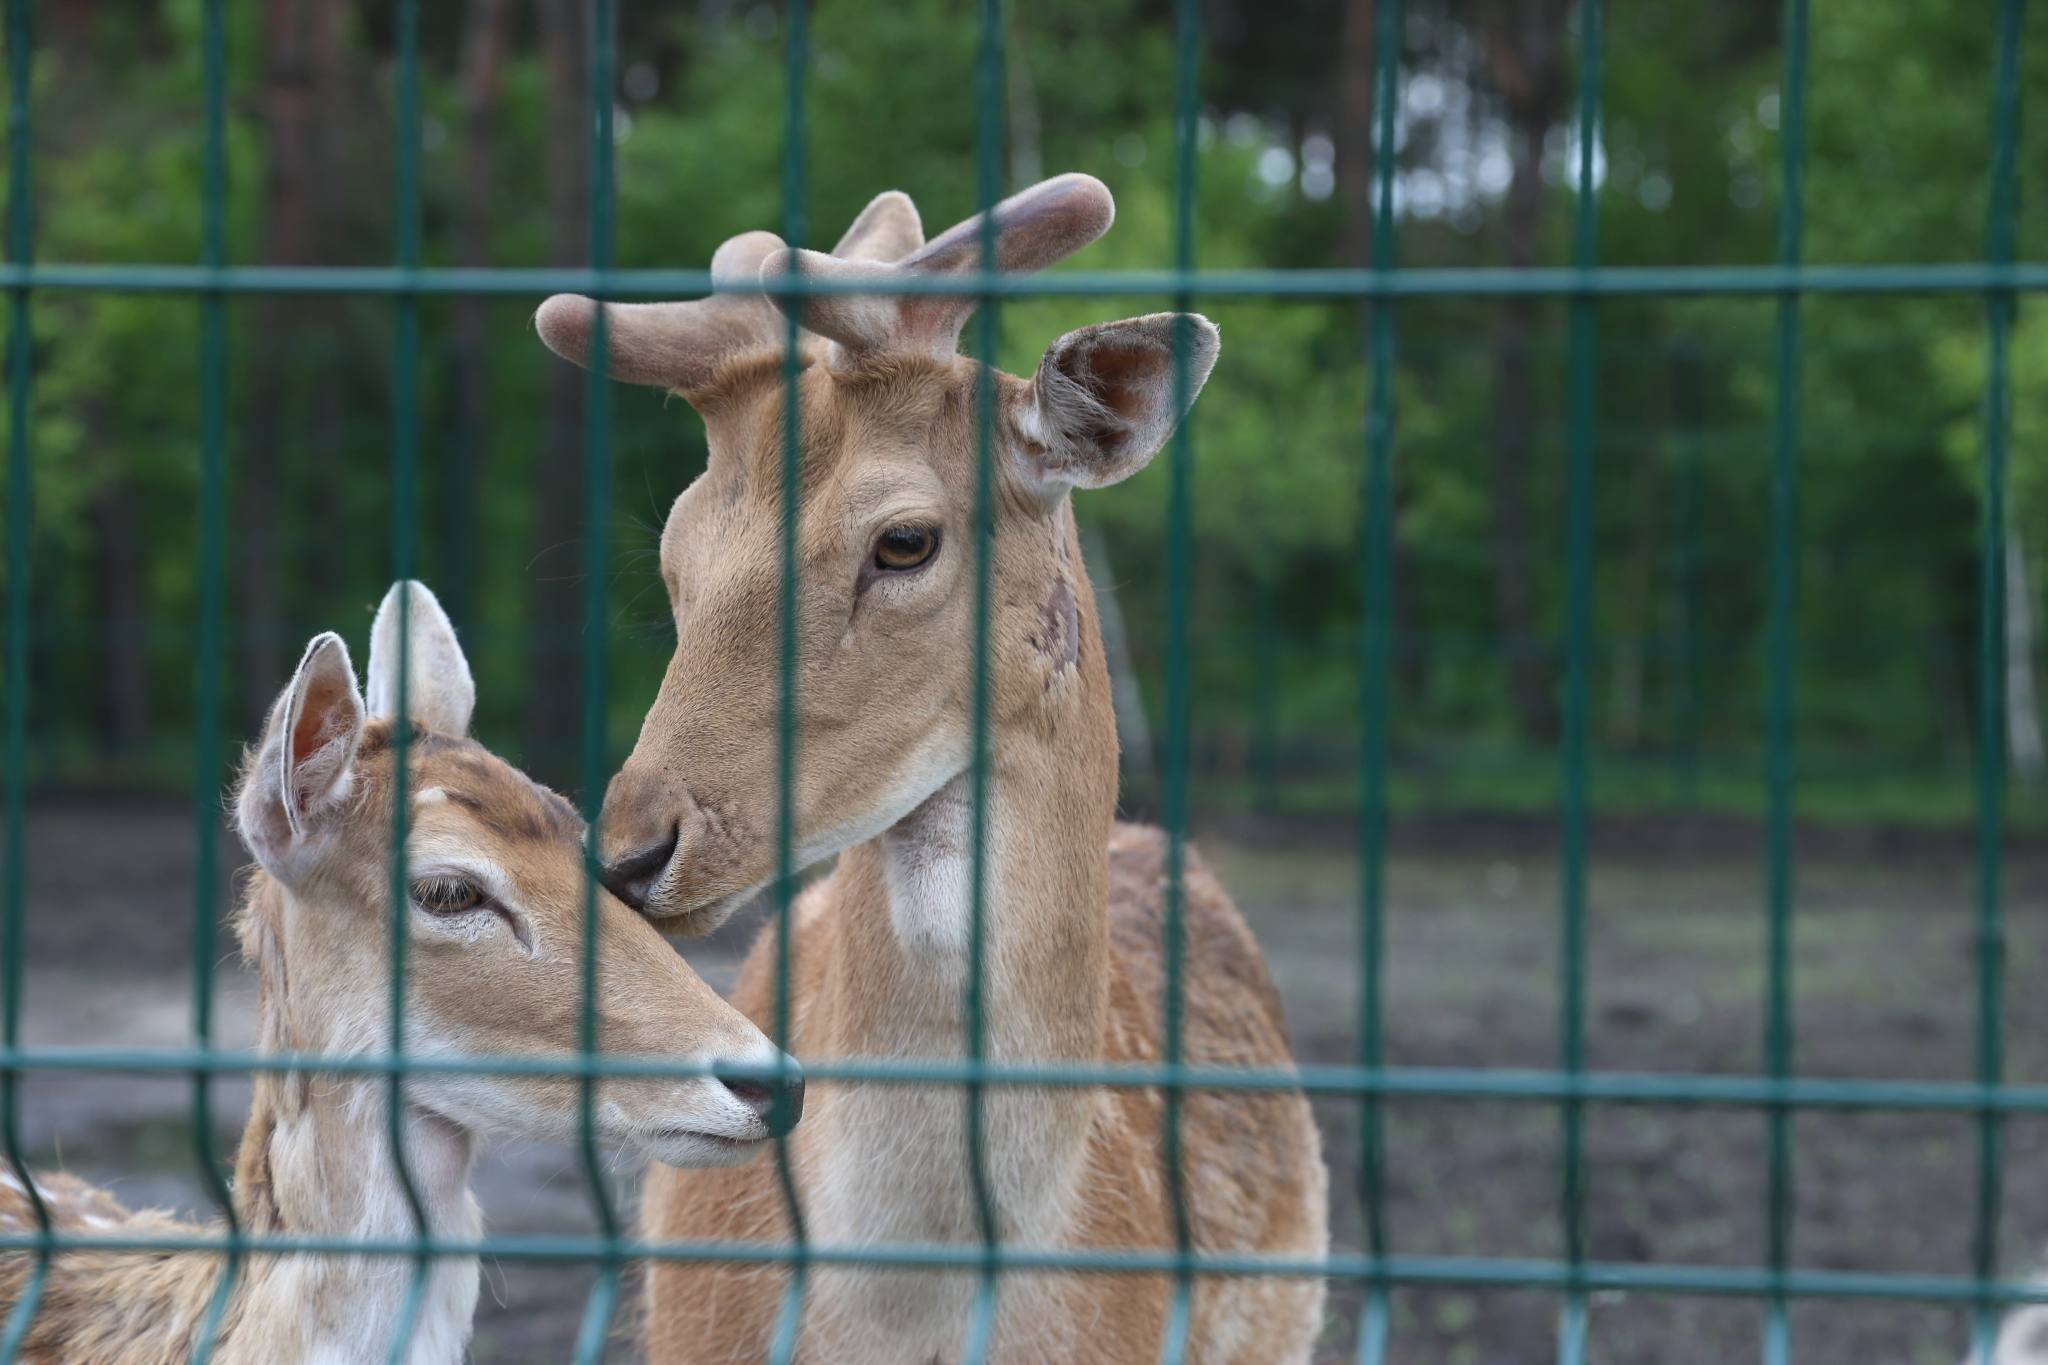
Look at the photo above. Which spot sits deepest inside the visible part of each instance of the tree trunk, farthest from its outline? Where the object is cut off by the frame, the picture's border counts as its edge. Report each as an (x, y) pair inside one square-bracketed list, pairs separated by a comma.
[(553, 706), (120, 599), (2022, 700), (1354, 135), (289, 111), (1638, 613), (485, 36), (1523, 44), (322, 479)]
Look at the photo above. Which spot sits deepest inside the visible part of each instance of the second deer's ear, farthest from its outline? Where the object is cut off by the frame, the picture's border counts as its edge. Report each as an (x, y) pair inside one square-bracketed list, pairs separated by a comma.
[(440, 694), (1103, 401), (302, 767)]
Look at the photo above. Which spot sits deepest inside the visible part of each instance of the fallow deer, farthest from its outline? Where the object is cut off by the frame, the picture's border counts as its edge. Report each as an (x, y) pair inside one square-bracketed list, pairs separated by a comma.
[(495, 928), (884, 685)]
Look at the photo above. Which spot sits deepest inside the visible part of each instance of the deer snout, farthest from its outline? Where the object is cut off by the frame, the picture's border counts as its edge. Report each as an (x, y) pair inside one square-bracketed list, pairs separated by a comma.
[(682, 859), (643, 821), (777, 1101), (632, 875)]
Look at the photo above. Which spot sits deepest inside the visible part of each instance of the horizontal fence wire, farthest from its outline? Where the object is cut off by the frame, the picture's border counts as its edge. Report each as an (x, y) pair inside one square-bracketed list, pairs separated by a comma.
[(1588, 1277), (1419, 282), (1780, 1093), (1602, 1087)]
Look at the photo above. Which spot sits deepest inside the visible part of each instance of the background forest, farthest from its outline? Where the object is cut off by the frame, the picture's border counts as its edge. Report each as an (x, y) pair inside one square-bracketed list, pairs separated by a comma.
[(1688, 169)]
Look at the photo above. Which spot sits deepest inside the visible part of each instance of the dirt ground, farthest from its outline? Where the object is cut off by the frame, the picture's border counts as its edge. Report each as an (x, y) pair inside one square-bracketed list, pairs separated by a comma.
[(1884, 975)]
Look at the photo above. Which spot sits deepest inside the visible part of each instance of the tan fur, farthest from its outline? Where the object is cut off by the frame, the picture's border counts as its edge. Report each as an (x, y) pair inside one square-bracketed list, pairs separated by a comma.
[(314, 1159), (884, 686)]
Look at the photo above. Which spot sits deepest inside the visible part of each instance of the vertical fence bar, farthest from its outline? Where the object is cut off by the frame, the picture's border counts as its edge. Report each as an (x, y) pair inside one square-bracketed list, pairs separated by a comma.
[(1375, 675), (212, 610), (1180, 590), (1781, 724), (988, 83), (1999, 307), (20, 526), (1179, 686), (795, 228), (405, 352), (1577, 682), (597, 468)]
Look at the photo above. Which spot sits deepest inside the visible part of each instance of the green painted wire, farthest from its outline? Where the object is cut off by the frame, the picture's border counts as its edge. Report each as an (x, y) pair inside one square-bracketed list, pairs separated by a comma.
[(988, 82), (1667, 1279), (20, 524), (1528, 1086), (795, 229), (1479, 282), (1375, 673), (591, 1336), (1998, 308), (1180, 574), (405, 354), (1584, 384), (1781, 723), (212, 631)]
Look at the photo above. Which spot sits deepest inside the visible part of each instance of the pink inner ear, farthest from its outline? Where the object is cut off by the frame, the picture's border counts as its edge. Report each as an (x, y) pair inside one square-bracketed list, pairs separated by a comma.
[(1123, 378), (311, 729)]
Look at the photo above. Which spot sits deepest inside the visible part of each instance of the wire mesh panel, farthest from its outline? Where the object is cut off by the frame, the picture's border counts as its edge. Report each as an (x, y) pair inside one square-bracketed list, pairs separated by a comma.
[(1776, 1097)]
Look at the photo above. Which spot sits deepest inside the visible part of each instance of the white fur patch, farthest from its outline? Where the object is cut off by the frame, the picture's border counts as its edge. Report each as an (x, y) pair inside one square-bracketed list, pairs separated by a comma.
[(927, 861)]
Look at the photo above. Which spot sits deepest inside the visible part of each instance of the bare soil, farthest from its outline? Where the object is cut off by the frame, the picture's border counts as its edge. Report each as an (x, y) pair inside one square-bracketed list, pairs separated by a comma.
[(1884, 987)]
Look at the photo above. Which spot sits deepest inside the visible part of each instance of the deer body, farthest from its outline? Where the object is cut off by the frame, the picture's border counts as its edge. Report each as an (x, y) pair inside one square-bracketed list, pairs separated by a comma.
[(495, 874), (314, 1162), (886, 551)]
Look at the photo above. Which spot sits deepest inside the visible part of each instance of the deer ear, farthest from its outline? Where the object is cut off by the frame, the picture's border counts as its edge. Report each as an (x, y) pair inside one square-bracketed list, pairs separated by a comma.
[(1103, 401), (440, 694), (301, 770)]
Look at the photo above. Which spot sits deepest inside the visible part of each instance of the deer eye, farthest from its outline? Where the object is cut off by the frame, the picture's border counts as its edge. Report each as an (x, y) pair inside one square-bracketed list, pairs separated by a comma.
[(446, 895), (906, 547)]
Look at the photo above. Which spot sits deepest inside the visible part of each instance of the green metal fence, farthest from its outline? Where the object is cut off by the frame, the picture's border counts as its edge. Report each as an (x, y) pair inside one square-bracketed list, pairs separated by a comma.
[(1776, 1096)]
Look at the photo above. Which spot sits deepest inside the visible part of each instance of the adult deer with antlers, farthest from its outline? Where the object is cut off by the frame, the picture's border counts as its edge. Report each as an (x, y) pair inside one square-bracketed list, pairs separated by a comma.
[(884, 678), (495, 923)]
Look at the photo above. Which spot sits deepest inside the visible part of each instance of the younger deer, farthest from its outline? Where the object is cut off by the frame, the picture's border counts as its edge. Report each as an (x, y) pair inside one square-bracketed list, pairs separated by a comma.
[(495, 929), (886, 551)]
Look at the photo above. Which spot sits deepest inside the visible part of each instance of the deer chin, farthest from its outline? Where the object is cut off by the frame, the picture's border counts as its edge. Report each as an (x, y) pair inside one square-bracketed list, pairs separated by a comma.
[(687, 1148), (679, 915)]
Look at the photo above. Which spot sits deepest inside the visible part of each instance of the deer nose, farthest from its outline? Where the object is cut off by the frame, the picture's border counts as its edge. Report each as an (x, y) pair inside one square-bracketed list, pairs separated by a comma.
[(778, 1102), (633, 875)]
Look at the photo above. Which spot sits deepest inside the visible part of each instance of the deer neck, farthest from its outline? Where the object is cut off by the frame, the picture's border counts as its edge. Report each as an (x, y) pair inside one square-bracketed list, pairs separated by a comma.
[(316, 1162), (1051, 785), (903, 944)]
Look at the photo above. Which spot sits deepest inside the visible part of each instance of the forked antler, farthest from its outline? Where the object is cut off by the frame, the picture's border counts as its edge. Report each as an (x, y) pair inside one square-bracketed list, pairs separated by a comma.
[(1034, 228), (681, 345)]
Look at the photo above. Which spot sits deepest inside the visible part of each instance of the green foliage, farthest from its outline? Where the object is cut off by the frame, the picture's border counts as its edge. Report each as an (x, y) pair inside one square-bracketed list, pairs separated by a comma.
[(1899, 145)]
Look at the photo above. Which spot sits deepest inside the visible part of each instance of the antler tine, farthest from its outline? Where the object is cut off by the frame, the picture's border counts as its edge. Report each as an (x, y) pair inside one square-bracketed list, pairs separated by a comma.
[(1034, 228), (671, 345), (888, 229)]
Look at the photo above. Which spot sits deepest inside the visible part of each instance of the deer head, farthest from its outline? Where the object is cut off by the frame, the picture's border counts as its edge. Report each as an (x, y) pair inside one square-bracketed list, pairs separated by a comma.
[(494, 922), (885, 541)]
